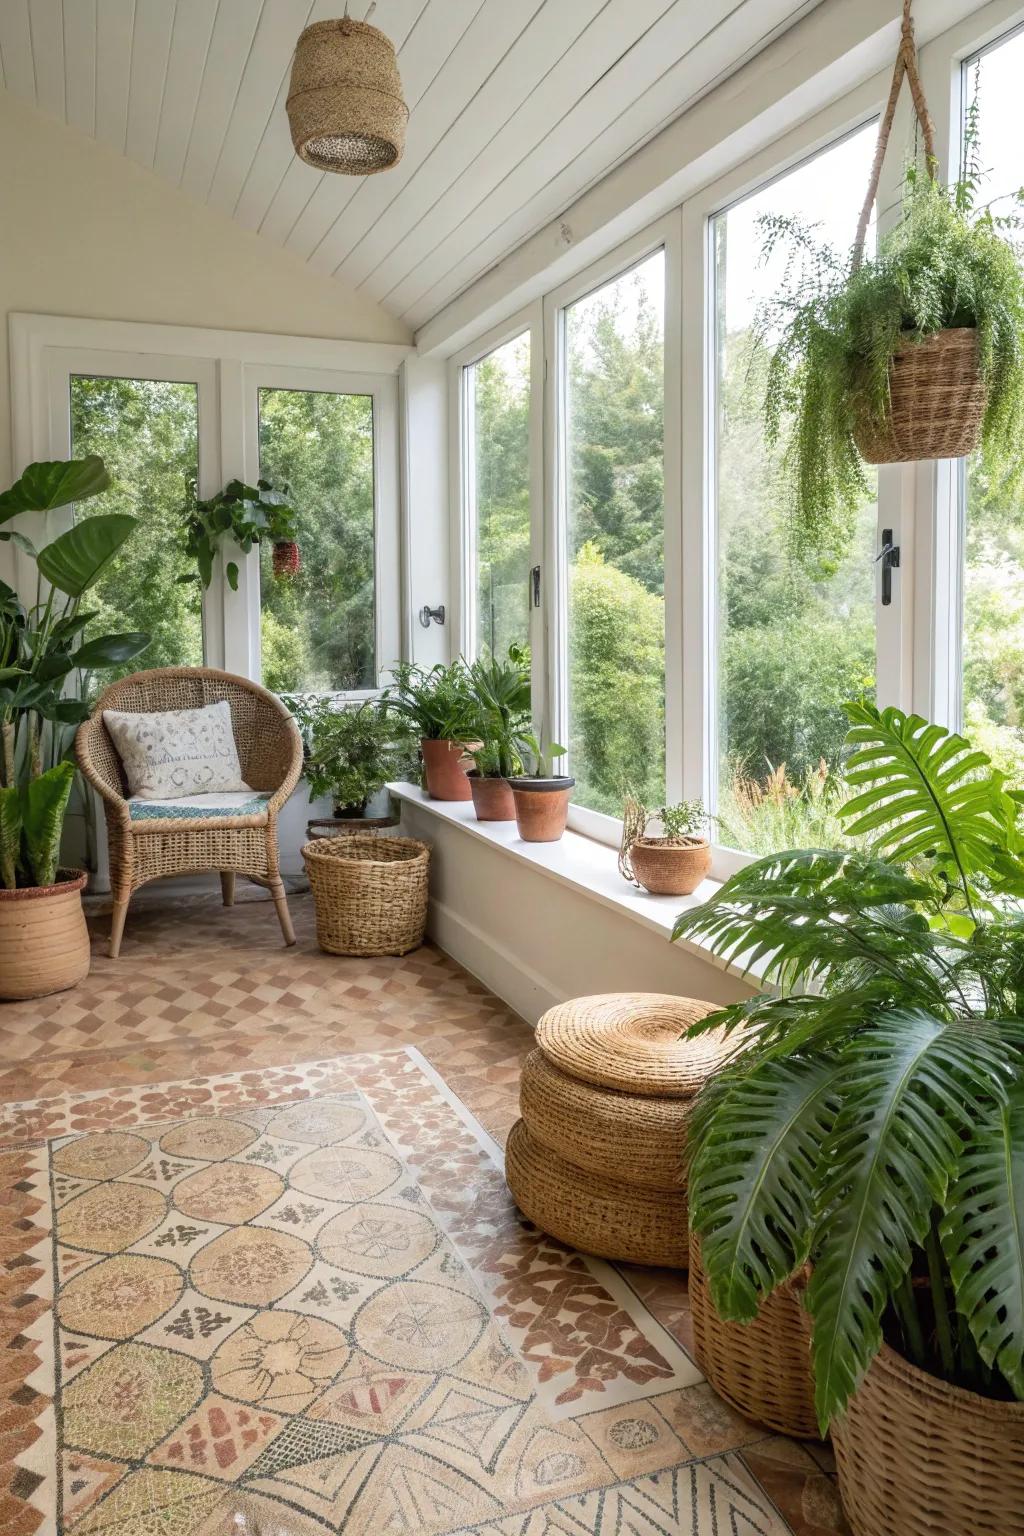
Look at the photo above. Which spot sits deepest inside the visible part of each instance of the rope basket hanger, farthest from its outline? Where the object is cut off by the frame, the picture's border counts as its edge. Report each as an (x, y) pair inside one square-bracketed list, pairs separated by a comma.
[(937, 394)]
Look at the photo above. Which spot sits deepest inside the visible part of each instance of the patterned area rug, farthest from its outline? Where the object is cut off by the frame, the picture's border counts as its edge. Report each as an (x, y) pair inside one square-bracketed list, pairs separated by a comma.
[(280, 1304)]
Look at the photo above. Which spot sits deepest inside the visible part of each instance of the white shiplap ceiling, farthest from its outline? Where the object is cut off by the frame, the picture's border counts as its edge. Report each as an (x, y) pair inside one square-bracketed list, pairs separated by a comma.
[(517, 106)]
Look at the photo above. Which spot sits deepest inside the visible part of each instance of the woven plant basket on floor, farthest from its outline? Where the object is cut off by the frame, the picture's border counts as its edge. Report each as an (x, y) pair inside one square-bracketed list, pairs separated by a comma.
[(919, 1458), (938, 398), (370, 893), (632, 1137), (762, 1368), (602, 1216)]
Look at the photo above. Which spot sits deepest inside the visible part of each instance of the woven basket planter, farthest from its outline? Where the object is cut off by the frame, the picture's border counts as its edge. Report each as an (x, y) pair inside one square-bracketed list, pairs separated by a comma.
[(938, 399), (762, 1368), (607, 1217), (917, 1457), (44, 943), (630, 1137), (370, 893)]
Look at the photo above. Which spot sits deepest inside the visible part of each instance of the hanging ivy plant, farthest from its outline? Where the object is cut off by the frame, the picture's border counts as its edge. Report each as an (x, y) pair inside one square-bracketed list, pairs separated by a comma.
[(245, 514)]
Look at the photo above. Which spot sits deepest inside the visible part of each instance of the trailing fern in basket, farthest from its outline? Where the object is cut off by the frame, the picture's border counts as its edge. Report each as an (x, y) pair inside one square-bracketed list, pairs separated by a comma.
[(872, 1119)]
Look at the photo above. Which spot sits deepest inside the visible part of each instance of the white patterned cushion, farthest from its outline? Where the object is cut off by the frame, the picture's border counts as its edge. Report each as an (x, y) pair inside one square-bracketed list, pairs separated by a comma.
[(177, 752)]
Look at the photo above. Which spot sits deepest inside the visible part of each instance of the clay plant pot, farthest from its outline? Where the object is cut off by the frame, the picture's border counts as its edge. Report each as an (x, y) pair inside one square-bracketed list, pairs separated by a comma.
[(44, 943), (919, 1457), (492, 797), (542, 806), (286, 559), (670, 868), (444, 763)]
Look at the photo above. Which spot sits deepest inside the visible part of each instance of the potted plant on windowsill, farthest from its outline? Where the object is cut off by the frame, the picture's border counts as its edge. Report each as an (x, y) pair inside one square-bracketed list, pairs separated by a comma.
[(245, 515), (541, 797), (872, 1124), (44, 944), (672, 864), (501, 693), (437, 705), (351, 751)]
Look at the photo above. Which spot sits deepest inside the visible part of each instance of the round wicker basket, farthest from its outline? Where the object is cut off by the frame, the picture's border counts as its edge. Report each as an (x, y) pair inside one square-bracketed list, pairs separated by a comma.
[(631, 1137), (762, 1368), (937, 402), (917, 1457), (597, 1215), (345, 105), (370, 893), (632, 1042)]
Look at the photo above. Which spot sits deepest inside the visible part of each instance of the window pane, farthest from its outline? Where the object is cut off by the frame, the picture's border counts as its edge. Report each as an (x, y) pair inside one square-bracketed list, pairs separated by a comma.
[(318, 625), (792, 645), (615, 527), (498, 401), (993, 587), (147, 433)]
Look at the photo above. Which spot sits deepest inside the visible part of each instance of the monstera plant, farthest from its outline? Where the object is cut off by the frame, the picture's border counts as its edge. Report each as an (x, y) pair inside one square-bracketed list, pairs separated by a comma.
[(44, 658)]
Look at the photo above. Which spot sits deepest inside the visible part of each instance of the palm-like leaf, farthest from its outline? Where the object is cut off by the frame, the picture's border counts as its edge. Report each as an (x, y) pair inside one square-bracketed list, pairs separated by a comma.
[(43, 802), (10, 836), (751, 1182), (909, 1088), (924, 792), (983, 1235)]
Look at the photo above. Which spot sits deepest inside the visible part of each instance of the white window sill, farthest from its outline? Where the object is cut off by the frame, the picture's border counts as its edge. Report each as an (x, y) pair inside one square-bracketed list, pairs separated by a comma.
[(584, 865)]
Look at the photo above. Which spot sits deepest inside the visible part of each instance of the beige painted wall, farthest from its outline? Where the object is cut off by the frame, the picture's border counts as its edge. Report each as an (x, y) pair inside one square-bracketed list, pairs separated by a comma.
[(83, 231)]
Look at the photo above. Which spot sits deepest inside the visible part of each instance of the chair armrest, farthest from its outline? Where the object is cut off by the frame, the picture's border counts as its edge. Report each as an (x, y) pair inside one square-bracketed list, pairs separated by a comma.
[(284, 745), (98, 764)]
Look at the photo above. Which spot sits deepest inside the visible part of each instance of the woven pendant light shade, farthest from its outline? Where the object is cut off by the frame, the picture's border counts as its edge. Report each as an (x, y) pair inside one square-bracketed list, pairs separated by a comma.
[(345, 102)]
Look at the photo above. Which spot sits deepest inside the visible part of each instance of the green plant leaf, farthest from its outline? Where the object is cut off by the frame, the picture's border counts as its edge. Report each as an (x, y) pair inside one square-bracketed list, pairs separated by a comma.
[(44, 486), (44, 801), (109, 650), (232, 575), (983, 1235), (910, 1088), (10, 836), (10, 535), (77, 559)]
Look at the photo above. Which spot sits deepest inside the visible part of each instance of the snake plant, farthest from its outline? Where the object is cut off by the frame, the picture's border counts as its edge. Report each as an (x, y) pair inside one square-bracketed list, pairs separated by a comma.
[(871, 1119)]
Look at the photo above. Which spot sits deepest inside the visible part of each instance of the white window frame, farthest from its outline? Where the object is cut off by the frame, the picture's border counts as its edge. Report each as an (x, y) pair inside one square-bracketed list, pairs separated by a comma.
[(228, 367)]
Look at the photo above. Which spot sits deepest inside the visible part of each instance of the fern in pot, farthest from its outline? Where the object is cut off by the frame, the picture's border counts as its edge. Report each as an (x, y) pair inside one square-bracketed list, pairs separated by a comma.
[(501, 693), (672, 862), (871, 1125), (436, 704)]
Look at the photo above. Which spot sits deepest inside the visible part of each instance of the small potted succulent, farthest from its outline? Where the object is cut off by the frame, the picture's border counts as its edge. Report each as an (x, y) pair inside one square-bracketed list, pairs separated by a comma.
[(437, 705), (670, 864), (350, 752), (501, 690), (541, 797)]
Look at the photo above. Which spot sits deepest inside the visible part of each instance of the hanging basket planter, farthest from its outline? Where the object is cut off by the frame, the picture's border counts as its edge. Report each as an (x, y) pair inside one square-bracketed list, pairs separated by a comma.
[(286, 559), (345, 105), (937, 397)]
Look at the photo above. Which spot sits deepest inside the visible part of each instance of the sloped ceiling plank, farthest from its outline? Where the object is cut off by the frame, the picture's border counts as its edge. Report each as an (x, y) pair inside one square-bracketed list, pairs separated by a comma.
[(530, 126), (233, 32), (80, 64), (266, 69), (151, 46), (299, 181), (551, 32), (46, 21), (16, 49), (190, 43), (536, 189), (114, 22), (439, 40)]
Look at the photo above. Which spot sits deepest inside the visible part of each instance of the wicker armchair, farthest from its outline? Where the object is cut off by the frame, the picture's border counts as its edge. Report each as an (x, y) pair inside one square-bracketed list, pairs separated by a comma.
[(270, 753)]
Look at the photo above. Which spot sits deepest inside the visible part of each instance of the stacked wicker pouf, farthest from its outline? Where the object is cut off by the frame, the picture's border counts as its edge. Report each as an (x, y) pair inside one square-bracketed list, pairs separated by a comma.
[(597, 1159)]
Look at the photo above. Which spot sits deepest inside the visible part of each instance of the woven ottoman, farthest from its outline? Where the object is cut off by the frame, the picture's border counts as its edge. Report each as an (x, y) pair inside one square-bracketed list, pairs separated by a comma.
[(597, 1157)]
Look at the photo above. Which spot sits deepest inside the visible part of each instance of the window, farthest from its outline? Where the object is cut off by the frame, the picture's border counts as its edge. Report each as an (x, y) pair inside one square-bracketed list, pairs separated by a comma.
[(318, 626), (496, 403), (792, 645), (992, 522), (147, 433), (613, 497)]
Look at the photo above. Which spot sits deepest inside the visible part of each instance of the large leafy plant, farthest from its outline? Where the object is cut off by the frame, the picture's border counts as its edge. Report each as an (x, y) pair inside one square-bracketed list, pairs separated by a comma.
[(501, 695), (871, 1120), (43, 656), (243, 514), (436, 703), (350, 752), (832, 332)]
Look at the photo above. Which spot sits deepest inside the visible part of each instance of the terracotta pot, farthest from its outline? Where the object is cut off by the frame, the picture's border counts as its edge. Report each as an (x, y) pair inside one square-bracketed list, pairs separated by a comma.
[(670, 869), (286, 559), (44, 943), (445, 765), (918, 1457), (542, 806), (492, 797)]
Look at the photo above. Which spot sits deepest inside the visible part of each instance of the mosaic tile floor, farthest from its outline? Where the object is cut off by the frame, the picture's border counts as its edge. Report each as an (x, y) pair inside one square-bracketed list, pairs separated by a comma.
[(203, 1269)]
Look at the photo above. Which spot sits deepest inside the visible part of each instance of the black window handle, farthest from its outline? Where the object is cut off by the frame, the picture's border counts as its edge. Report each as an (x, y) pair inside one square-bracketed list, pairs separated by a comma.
[(889, 555)]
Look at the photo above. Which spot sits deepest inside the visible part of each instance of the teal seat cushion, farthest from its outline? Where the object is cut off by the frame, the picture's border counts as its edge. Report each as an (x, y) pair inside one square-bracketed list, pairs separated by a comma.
[(188, 807)]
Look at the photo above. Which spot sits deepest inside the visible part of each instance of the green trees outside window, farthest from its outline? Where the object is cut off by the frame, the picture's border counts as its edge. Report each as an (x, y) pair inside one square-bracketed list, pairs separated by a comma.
[(498, 419)]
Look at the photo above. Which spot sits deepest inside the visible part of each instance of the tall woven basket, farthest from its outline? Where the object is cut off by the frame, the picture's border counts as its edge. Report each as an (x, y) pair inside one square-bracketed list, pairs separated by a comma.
[(370, 893), (762, 1368)]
